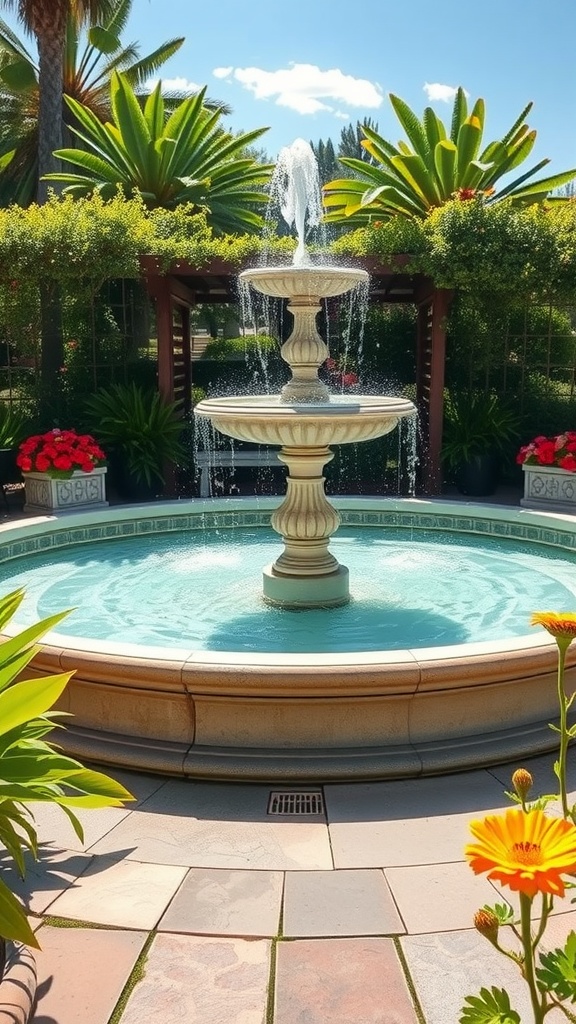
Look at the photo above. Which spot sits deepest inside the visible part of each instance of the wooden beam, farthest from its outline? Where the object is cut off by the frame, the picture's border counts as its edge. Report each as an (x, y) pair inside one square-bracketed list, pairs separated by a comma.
[(440, 308)]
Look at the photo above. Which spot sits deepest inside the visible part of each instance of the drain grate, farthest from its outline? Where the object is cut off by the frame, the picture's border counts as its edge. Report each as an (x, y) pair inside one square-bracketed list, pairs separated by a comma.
[(302, 803)]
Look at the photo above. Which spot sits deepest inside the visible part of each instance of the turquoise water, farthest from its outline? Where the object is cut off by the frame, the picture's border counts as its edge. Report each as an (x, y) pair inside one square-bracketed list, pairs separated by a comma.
[(202, 590)]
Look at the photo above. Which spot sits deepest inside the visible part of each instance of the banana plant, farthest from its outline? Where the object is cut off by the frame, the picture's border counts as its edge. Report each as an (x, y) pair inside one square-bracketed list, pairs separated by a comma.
[(187, 158), (437, 164), (31, 768)]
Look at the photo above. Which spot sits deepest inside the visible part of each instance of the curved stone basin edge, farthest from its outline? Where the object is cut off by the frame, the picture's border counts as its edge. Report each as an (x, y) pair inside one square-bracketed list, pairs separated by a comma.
[(267, 717)]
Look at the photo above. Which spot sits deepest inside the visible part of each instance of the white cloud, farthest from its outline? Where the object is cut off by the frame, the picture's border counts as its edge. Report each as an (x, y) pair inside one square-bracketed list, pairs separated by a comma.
[(342, 115), (170, 85), (436, 91), (305, 88)]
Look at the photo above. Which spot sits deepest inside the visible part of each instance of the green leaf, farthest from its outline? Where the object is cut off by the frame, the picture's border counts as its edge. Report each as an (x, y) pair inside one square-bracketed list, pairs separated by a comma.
[(557, 972), (445, 156), (103, 39), (13, 920), (492, 1006), (19, 76), (29, 699)]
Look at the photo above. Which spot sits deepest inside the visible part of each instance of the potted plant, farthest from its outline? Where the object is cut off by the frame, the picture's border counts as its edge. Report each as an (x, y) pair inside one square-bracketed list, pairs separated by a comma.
[(142, 433), (478, 430), (32, 770), (549, 466), (63, 471), (13, 423)]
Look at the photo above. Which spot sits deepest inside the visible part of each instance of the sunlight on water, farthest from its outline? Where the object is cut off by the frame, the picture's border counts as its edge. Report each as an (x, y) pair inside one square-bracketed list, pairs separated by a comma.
[(202, 590)]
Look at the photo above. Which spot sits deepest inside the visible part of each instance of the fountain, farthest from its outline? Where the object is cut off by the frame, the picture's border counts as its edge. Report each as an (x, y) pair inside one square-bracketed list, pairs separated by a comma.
[(304, 418), (179, 665)]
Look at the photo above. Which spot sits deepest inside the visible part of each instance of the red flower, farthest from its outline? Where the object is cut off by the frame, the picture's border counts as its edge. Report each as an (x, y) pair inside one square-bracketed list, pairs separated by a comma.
[(550, 451), (59, 453)]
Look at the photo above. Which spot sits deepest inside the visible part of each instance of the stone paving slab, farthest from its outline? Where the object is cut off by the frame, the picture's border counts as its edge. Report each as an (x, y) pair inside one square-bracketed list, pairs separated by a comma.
[(340, 981), (206, 825), (474, 793), (331, 903), (447, 967), (221, 902), (388, 824), (440, 896), (46, 878), (198, 980), (81, 973), (122, 893), (54, 827)]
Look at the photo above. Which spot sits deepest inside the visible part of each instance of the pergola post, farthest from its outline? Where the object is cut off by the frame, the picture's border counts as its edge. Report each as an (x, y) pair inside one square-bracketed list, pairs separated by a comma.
[(433, 309)]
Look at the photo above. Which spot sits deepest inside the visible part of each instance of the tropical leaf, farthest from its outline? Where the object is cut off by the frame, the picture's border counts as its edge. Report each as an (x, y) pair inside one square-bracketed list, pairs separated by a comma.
[(427, 171), (13, 921), (459, 114), (187, 159)]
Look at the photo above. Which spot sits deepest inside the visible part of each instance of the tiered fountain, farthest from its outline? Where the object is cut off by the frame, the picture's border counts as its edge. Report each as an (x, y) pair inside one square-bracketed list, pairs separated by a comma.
[(180, 667), (304, 418)]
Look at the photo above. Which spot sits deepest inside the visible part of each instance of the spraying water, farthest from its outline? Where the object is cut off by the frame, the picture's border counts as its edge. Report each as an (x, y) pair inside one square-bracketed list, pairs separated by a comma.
[(296, 188)]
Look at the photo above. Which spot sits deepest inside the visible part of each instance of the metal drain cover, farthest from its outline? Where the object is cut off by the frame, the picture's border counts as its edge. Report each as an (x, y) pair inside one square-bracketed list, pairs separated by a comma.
[(304, 802)]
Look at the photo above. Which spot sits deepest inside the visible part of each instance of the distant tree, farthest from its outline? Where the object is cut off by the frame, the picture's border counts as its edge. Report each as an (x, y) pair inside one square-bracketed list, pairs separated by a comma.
[(351, 140), (326, 157)]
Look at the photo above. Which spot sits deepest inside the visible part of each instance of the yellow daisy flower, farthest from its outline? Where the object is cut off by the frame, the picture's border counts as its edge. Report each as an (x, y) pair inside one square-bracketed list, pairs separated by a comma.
[(529, 852)]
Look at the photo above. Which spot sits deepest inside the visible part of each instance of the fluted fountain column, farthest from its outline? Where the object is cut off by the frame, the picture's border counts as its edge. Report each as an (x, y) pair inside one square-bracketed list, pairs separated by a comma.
[(306, 574)]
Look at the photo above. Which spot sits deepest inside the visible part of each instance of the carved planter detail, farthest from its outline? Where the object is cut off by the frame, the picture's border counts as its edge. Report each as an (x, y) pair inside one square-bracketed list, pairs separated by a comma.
[(80, 491), (549, 488)]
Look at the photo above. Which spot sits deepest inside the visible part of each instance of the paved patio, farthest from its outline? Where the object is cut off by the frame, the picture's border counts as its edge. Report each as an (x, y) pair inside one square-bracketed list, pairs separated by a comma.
[(212, 911), (194, 904)]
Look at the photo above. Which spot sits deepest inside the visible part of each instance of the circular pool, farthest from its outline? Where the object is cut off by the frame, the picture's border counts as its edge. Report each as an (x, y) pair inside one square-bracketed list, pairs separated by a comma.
[(181, 668)]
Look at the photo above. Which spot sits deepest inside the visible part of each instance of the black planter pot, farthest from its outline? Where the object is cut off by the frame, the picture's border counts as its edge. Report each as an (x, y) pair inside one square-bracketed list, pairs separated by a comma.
[(127, 485), (479, 476)]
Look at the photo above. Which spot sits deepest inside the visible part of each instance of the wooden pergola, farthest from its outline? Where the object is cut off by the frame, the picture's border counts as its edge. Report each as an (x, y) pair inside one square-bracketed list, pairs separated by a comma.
[(177, 292)]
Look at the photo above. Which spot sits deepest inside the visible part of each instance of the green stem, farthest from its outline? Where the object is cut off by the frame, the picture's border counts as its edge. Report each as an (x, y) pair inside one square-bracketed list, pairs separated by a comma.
[(526, 922), (562, 703), (547, 905), (555, 1003)]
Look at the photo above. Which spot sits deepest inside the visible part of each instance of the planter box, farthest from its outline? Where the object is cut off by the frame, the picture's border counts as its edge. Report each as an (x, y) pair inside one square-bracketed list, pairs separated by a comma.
[(549, 488), (81, 491)]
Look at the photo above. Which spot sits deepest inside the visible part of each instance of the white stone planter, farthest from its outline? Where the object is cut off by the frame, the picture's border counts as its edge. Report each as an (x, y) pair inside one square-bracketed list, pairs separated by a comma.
[(549, 488), (80, 491)]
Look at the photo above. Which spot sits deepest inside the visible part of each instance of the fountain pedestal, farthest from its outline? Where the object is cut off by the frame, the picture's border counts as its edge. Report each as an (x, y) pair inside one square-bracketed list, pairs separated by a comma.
[(306, 574), (305, 419)]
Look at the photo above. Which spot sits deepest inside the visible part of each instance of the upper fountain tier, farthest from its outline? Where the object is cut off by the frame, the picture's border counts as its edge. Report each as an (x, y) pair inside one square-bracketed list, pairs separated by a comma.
[(306, 281)]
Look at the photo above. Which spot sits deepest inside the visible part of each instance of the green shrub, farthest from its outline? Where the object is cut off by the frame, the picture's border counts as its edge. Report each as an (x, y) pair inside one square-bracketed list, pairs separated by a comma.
[(222, 350)]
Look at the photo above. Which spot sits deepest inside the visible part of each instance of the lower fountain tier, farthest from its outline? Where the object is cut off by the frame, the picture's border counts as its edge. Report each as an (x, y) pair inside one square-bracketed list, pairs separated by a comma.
[(265, 419)]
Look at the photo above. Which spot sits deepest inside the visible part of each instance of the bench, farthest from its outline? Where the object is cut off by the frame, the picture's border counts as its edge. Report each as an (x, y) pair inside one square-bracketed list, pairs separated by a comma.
[(227, 459)]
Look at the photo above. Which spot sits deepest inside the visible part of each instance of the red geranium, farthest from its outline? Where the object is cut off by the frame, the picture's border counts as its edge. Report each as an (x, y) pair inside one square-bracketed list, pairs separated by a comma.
[(59, 452), (550, 451)]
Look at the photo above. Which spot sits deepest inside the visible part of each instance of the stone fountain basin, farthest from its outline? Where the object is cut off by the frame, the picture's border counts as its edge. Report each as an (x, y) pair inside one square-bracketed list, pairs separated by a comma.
[(289, 281), (260, 717), (265, 419)]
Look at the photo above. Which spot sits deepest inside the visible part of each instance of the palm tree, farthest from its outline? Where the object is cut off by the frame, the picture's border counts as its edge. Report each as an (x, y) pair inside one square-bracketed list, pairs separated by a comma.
[(89, 59), (47, 21), (187, 158), (435, 165)]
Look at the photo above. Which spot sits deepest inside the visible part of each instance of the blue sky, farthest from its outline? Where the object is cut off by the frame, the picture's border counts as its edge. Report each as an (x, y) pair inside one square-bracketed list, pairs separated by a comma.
[(301, 55), (308, 67)]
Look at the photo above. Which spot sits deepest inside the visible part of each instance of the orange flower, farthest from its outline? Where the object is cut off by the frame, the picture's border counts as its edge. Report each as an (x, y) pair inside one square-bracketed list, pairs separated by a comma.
[(529, 852), (561, 625)]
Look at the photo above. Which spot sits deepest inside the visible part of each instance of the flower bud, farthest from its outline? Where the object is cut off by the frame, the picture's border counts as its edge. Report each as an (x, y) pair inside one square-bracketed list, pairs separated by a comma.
[(522, 782), (486, 922)]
